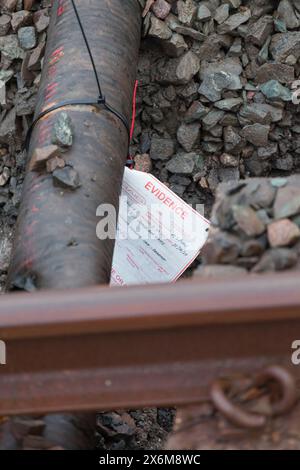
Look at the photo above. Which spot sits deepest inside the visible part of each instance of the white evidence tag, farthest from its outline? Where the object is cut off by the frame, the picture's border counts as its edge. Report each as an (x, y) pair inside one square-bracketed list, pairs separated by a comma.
[(158, 234)]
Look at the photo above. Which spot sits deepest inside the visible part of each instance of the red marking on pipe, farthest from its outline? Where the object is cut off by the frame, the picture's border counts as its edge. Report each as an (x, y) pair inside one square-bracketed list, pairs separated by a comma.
[(56, 58), (43, 138), (29, 228), (28, 263), (57, 50), (51, 71), (60, 10), (44, 131), (36, 186), (51, 85), (50, 95), (61, 7)]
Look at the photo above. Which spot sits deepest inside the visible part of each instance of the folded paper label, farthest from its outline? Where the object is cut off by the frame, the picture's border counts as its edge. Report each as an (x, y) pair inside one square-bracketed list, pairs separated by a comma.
[(158, 234)]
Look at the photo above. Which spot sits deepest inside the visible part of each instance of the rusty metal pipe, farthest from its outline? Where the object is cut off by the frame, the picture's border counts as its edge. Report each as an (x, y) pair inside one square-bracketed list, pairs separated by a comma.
[(55, 243)]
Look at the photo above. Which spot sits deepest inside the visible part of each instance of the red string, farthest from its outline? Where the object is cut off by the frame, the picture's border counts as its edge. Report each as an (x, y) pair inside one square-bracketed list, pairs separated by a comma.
[(133, 109), (130, 158)]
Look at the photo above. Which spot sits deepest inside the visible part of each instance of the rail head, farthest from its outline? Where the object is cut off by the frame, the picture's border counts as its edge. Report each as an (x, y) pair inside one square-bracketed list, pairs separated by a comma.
[(256, 298)]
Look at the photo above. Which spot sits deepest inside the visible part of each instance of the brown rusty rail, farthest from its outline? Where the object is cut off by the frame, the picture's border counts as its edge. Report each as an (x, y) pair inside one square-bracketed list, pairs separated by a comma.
[(101, 348)]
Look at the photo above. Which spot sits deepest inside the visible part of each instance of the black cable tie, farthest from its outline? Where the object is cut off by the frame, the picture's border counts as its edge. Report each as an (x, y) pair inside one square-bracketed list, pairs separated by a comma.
[(130, 162), (100, 102)]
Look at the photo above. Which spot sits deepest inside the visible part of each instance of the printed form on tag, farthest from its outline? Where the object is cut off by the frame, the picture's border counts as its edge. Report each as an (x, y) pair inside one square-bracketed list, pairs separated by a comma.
[(158, 234)]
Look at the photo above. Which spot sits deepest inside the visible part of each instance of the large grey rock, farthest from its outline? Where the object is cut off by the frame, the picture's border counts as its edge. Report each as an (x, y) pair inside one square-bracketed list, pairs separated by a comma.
[(275, 71), (161, 9), (188, 135), (213, 85), (8, 127), (224, 248), (287, 13), (276, 259), (186, 11), (247, 220), (257, 134), (9, 46), (271, 150), (273, 90), (203, 12), (218, 76), (233, 141), (186, 31), (27, 37), (62, 132), (161, 148), (175, 46), (284, 45), (66, 177), (229, 104), (4, 24), (196, 111), (260, 30), (159, 29), (188, 66), (182, 164), (221, 13), (229, 65), (212, 118), (283, 232), (287, 202), (234, 21), (178, 71), (261, 112), (19, 19)]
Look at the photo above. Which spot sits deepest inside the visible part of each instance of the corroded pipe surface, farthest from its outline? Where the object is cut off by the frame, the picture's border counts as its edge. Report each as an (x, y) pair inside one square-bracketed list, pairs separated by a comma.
[(56, 244)]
